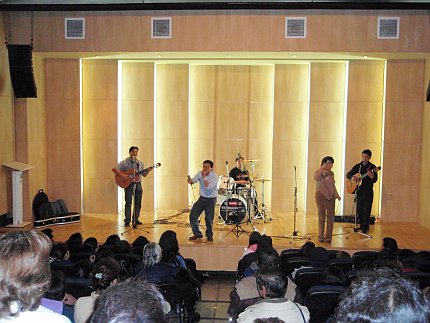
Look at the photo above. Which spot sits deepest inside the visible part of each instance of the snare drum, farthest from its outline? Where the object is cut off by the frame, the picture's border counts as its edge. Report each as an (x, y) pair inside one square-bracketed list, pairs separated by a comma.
[(245, 192), (233, 209), (225, 185)]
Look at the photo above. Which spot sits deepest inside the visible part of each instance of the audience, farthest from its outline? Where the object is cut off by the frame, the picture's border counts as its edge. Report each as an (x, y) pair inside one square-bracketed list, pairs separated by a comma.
[(104, 275), (272, 285), (132, 301), (389, 249), (333, 275), (382, 296), (254, 237), (25, 275)]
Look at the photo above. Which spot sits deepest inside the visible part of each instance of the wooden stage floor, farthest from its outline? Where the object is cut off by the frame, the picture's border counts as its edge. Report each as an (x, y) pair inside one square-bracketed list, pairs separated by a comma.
[(226, 249)]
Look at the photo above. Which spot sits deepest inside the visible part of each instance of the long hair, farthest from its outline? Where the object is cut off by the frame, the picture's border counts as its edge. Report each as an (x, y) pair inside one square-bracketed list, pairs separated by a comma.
[(169, 246), (25, 274)]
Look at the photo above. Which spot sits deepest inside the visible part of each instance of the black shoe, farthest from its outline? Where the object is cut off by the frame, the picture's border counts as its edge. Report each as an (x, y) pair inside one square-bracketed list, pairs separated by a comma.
[(134, 226), (138, 222), (210, 239), (194, 237), (126, 224)]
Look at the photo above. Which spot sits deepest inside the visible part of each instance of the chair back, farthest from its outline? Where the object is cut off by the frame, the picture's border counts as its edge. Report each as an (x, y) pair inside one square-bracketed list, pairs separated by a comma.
[(172, 295), (296, 262), (306, 278), (322, 301), (422, 278), (343, 263)]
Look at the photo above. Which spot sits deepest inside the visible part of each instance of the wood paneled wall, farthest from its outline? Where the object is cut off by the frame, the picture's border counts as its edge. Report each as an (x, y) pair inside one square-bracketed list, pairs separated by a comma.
[(138, 120), (100, 134), (402, 140), (424, 192), (7, 135), (290, 135), (364, 122), (326, 122), (172, 85), (239, 30), (63, 131)]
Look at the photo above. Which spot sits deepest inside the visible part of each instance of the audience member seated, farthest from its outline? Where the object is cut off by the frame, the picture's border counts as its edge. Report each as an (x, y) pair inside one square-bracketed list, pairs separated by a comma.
[(245, 292), (49, 233), (138, 244), (74, 243), (25, 275), (254, 237), (333, 275), (247, 265), (272, 285), (407, 260), (306, 249), (56, 298), (91, 245), (104, 275), (389, 249), (60, 253), (154, 271), (130, 301), (382, 296), (319, 258)]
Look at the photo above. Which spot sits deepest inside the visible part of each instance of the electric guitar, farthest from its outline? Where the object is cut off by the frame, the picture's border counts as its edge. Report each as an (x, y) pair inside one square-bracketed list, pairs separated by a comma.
[(125, 182), (357, 179)]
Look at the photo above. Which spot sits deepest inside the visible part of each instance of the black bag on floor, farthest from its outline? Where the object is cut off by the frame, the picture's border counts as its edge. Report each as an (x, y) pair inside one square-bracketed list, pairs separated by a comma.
[(40, 199)]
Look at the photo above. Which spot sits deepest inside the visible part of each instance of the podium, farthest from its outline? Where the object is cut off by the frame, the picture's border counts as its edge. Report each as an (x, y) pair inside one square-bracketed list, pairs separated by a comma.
[(17, 211)]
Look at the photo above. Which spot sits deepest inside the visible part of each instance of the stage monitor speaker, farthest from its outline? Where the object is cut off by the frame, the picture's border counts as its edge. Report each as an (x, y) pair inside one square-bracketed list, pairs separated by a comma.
[(21, 71)]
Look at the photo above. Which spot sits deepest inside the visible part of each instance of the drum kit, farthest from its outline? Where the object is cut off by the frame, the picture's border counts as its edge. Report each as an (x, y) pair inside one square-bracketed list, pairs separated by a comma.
[(238, 203)]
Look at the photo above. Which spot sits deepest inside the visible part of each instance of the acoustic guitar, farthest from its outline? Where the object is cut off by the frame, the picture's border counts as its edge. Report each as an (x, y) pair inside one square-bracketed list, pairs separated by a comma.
[(125, 182), (357, 179)]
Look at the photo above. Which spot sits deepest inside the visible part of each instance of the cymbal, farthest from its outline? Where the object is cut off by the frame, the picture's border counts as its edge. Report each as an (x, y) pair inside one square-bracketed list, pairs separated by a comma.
[(263, 180), (251, 160)]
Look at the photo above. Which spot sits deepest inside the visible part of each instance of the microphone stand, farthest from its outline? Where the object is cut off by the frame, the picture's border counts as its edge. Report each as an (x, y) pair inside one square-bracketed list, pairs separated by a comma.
[(296, 234), (133, 202)]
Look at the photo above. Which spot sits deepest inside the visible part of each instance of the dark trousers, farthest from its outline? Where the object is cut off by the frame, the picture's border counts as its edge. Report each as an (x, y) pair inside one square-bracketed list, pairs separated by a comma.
[(364, 207), (203, 204), (135, 188)]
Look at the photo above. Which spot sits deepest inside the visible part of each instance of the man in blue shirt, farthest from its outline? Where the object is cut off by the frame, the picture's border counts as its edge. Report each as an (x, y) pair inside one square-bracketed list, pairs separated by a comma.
[(208, 181)]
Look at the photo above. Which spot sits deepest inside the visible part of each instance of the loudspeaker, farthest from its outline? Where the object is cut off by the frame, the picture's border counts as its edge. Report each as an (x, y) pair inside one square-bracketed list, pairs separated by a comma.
[(21, 71)]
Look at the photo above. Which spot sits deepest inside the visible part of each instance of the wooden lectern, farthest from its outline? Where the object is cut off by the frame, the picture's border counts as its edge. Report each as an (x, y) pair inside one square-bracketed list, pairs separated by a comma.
[(17, 211)]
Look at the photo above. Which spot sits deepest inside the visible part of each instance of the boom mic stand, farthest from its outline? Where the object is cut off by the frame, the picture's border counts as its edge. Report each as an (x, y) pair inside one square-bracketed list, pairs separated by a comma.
[(133, 204), (296, 234)]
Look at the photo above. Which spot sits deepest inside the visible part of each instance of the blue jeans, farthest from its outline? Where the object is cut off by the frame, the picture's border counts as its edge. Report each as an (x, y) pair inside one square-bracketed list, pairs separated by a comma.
[(137, 201), (203, 204)]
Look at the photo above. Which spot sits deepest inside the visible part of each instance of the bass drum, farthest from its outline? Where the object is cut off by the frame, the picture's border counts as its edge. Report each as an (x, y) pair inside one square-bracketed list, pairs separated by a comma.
[(233, 209)]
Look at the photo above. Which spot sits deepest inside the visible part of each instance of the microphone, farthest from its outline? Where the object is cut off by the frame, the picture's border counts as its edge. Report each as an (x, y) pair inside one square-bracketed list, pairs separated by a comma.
[(238, 154), (226, 162)]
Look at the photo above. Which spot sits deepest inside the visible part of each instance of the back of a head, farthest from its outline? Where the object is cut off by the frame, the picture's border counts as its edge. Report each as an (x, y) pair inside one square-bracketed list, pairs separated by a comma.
[(59, 251), (268, 257), (132, 301), (169, 246), (151, 254), (274, 281), (57, 288), (306, 249), (25, 273), (254, 237), (319, 257), (265, 242), (390, 243), (105, 272), (333, 275), (383, 296)]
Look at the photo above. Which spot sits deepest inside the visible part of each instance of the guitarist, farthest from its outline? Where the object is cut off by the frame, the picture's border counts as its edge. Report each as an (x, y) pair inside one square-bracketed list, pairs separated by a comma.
[(365, 190), (128, 164)]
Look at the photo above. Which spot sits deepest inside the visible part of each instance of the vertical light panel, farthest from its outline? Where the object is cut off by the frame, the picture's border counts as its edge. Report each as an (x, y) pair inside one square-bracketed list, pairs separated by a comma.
[(364, 120), (119, 134), (172, 135), (137, 123), (326, 122), (261, 103), (100, 153), (289, 135), (201, 121)]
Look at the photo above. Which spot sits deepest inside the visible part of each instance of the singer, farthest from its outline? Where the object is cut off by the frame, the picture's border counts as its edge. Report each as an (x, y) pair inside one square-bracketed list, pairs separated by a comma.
[(131, 165), (208, 181), (366, 171), (325, 196)]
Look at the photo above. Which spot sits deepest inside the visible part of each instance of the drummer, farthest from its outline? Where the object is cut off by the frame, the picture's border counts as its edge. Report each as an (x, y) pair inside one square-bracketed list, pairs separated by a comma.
[(239, 174)]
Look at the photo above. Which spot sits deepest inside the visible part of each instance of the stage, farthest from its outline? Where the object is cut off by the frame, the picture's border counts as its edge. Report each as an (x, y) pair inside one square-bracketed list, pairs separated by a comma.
[(224, 252)]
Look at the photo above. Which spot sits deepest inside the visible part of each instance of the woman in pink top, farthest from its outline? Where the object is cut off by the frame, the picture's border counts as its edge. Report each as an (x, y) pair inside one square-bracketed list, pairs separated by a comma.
[(325, 196)]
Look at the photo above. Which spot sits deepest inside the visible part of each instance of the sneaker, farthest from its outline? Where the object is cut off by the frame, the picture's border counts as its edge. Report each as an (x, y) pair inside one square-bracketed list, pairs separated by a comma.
[(194, 237)]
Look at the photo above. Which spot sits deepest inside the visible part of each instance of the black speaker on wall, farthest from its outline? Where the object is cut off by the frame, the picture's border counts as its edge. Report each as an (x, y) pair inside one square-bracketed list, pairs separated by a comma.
[(21, 71), (428, 92)]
